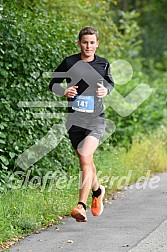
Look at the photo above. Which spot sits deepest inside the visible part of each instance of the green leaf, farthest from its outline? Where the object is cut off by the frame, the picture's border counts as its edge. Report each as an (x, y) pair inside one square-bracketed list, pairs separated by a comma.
[(2, 141), (12, 154), (4, 160), (4, 167), (2, 135)]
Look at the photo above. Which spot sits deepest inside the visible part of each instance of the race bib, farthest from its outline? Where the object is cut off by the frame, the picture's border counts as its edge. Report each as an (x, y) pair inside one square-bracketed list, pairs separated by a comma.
[(83, 103)]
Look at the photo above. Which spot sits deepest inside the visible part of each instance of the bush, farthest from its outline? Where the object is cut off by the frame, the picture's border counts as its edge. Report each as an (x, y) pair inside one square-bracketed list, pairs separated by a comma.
[(34, 42)]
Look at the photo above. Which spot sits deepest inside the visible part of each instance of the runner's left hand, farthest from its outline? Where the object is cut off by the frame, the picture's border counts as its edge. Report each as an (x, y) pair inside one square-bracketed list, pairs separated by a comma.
[(101, 91)]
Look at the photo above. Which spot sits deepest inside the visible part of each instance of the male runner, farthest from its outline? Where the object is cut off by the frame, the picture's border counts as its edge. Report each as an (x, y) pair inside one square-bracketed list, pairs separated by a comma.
[(86, 120)]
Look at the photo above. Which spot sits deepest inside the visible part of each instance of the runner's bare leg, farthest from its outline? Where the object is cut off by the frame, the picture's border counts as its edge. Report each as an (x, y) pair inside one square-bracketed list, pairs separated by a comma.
[(88, 177)]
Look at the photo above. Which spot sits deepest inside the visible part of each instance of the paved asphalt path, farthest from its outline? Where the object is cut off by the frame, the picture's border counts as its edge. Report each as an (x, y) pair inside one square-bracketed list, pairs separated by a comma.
[(136, 221)]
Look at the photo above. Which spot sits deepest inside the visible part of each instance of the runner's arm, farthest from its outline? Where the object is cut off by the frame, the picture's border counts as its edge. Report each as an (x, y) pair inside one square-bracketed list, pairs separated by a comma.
[(108, 80), (55, 84)]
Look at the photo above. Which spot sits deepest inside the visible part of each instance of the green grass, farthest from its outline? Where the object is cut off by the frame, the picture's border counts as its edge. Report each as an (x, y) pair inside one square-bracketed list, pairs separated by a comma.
[(146, 153), (24, 210)]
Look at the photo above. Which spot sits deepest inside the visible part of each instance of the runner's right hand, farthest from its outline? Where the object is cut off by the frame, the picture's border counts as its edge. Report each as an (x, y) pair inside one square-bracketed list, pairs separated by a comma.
[(71, 92)]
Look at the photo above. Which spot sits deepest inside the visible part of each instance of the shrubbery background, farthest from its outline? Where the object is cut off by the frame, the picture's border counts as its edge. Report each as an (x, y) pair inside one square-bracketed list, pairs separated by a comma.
[(37, 35)]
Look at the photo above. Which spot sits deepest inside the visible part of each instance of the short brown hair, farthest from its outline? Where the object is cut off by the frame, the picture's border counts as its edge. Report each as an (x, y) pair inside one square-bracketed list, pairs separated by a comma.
[(88, 30)]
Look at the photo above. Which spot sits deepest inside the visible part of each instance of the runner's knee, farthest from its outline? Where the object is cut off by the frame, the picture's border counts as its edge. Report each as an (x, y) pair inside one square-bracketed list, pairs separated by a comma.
[(85, 160)]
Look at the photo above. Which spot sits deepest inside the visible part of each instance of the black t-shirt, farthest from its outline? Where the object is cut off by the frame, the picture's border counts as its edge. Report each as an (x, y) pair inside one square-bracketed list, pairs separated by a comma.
[(85, 75)]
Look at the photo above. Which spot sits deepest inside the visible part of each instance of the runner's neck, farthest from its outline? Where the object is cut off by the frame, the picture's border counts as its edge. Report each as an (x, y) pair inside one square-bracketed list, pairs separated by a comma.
[(87, 59)]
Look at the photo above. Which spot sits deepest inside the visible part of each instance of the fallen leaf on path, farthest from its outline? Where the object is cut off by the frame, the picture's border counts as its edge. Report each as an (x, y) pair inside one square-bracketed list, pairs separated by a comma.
[(126, 245), (70, 241)]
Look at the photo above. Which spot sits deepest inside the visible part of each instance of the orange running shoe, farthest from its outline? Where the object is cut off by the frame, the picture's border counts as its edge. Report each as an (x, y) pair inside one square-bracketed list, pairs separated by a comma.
[(97, 203), (79, 214)]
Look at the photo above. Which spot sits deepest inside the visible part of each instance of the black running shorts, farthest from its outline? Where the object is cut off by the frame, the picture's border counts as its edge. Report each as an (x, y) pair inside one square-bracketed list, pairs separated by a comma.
[(95, 128)]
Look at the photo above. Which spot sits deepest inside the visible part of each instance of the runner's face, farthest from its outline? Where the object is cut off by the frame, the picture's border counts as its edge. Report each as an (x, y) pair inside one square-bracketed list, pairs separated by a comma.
[(88, 45)]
